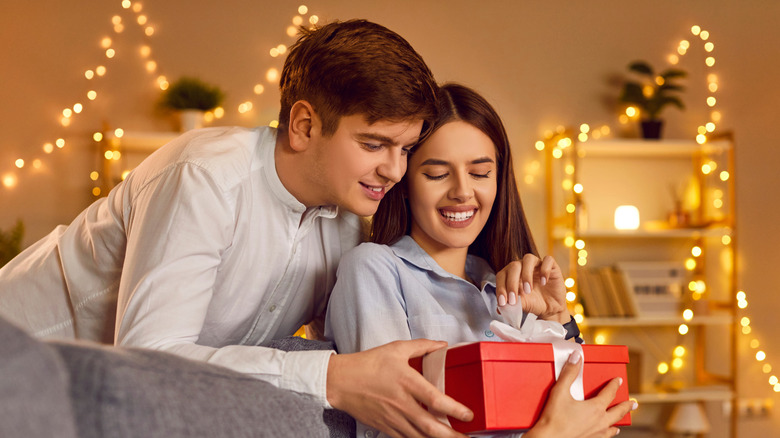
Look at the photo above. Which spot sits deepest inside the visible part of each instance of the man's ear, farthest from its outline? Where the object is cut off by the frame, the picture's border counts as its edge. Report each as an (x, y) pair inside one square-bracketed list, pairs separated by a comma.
[(304, 125)]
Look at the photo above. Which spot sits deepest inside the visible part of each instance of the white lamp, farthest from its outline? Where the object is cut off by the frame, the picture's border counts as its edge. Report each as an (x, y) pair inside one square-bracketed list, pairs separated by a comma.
[(626, 217), (688, 420)]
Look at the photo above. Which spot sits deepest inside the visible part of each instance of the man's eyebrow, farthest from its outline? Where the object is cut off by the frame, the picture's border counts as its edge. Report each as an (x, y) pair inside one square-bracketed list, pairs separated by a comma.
[(382, 139), (438, 162)]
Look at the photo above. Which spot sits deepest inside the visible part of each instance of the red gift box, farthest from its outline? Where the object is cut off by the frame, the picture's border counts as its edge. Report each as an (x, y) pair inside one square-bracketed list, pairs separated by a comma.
[(506, 384)]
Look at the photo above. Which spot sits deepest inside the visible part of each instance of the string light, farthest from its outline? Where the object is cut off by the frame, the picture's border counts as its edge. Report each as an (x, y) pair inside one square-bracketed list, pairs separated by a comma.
[(106, 44)]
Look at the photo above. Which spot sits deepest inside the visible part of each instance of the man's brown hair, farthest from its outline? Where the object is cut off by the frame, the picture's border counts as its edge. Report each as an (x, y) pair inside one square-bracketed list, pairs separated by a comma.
[(356, 67)]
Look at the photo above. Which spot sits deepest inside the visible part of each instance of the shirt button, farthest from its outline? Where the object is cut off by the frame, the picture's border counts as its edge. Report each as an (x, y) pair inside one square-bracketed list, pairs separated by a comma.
[(489, 333), (272, 308), (369, 434)]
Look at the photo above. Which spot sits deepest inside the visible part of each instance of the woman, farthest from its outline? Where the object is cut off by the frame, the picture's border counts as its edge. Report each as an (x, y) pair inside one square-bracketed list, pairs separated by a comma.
[(439, 237)]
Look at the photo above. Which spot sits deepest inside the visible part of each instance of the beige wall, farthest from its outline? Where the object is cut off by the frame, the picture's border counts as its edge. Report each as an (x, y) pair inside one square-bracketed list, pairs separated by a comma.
[(542, 64)]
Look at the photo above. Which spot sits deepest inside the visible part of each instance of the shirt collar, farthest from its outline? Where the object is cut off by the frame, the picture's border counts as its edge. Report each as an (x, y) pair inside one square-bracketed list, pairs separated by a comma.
[(476, 267), (267, 144)]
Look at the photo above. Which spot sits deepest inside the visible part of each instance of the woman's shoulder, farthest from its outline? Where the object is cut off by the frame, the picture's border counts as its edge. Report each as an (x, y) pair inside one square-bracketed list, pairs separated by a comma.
[(367, 252)]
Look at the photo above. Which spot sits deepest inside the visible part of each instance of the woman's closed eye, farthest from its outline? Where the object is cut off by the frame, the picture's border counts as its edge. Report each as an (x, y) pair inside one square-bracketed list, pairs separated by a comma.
[(437, 177)]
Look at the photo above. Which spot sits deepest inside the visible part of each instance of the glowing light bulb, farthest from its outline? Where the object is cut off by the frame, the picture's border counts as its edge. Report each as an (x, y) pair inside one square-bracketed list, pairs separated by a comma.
[(96, 191), (137, 7), (579, 244), (119, 132), (110, 53), (89, 74), (679, 351), (690, 264), (760, 355), (219, 112), (282, 49), (709, 47), (48, 148), (105, 42), (60, 142), (682, 329), (297, 20), (688, 314), (704, 35), (314, 19), (754, 343), (695, 30), (600, 339), (570, 296), (94, 175), (696, 251), (274, 52), (91, 94), (259, 88), (142, 19), (773, 380), (766, 368), (108, 155), (126, 4), (292, 31), (19, 163), (9, 181), (151, 66), (272, 75), (677, 363), (149, 31), (663, 368), (77, 108), (100, 70), (303, 9), (569, 282), (631, 111), (724, 175), (741, 295)]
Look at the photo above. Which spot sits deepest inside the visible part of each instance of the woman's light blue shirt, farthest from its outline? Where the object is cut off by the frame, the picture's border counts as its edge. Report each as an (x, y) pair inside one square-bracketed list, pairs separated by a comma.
[(398, 292)]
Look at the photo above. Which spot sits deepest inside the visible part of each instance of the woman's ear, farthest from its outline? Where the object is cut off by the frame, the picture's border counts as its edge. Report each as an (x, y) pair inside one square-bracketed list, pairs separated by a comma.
[(304, 125)]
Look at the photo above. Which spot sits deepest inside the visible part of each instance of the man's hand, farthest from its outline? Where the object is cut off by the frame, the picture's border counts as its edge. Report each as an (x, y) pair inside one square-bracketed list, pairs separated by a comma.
[(541, 282), (380, 389), (565, 417)]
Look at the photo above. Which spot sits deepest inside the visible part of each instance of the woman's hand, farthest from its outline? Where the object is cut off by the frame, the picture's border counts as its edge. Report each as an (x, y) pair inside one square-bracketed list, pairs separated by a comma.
[(565, 417), (541, 282)]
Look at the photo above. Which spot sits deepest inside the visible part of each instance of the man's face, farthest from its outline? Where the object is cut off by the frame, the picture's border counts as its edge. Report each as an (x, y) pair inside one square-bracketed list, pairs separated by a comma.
[(359, 163)]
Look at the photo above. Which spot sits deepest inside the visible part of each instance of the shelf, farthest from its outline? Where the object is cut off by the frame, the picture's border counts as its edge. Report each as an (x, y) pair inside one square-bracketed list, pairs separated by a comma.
[(722, 394), (644, 148), (666, 233), (657, 321)]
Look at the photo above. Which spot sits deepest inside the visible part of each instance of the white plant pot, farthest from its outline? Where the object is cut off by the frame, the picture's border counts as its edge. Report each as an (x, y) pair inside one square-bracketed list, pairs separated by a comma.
[(190, 119)]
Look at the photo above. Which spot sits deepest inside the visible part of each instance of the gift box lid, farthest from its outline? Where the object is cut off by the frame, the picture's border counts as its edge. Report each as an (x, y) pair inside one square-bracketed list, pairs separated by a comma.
[(529, 352)]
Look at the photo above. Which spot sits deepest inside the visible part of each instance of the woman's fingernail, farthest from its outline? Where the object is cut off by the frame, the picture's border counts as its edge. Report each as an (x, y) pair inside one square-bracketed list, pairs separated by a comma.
[(512, 298), (617, 432), (634, 406), (574, 357), (544, 281), (467, 416), (527, 287), (620, 381), (502, 300)]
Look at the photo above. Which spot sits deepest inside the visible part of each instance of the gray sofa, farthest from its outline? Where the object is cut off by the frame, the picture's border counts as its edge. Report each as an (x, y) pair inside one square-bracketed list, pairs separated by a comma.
[(88, 390)]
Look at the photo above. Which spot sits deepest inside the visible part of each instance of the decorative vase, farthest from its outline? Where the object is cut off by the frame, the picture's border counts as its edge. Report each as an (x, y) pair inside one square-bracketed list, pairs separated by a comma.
[(651, 129), (190, 119)]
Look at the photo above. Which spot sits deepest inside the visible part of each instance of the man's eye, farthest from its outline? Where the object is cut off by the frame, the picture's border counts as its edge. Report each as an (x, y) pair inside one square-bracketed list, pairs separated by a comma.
[(435, 177), (371, 147), (406, 151)]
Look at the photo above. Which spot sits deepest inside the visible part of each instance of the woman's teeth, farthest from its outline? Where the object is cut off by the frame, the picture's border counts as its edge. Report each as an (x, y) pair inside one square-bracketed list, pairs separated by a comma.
[(461, 216)]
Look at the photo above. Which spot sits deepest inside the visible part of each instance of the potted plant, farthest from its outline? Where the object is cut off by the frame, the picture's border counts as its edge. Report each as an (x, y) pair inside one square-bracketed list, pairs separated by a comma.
[(191, 97), (651, 94)]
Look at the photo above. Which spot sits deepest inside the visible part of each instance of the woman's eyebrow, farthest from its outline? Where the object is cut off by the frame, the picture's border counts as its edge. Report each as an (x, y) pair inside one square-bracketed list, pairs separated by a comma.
[(438, 162)]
